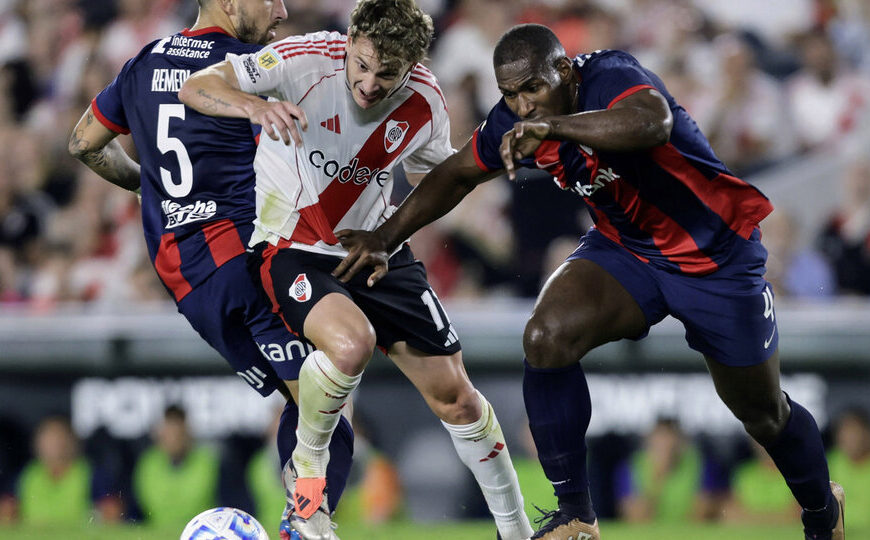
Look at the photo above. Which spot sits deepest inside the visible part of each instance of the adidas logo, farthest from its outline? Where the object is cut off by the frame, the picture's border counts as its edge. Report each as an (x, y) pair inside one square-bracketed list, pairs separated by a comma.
[(496, 450), (333, 124), (301, 502)]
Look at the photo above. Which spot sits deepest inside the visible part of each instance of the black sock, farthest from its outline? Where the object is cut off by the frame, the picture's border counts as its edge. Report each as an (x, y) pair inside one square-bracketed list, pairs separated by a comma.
[(821, 521), (800, 456), (559, 408)]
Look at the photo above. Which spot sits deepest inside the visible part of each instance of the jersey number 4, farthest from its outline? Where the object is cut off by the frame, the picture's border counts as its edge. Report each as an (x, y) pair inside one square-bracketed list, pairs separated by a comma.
[(165, 144)]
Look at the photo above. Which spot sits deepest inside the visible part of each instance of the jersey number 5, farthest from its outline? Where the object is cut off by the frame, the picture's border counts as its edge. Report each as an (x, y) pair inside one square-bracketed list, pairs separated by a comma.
[(165, 144)]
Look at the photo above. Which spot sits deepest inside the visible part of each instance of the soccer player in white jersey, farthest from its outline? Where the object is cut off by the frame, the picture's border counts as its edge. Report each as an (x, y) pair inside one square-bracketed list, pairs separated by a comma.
[(364, 103)]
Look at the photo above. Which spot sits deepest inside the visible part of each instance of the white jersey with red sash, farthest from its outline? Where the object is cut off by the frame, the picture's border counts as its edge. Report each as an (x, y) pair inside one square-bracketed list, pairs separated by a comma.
[(341, 176)]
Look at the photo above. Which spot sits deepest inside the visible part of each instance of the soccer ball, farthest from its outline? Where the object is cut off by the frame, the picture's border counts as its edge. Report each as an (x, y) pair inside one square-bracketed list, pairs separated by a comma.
[(224, 523)]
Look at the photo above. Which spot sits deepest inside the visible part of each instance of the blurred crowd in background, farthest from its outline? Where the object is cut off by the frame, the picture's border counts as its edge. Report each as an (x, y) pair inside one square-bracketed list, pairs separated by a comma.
[(663, 476), (769, 83)]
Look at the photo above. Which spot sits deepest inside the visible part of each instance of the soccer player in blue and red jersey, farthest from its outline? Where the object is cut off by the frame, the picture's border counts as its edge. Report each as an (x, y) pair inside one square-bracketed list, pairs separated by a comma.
[(197, 187), (675, 234)]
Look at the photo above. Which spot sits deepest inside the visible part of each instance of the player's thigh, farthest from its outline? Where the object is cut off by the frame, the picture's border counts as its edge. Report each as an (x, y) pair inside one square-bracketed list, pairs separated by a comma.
[(590, 302), (601, 293), (442, 377), (317, 306), (403, 307)]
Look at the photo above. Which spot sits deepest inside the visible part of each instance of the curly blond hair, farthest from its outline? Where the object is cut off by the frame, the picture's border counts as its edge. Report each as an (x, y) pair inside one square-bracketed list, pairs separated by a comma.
[(399, 30)]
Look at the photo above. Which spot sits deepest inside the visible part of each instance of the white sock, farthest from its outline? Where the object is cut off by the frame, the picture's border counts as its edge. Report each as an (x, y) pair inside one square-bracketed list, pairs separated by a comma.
[(323, 391), (482, 448)]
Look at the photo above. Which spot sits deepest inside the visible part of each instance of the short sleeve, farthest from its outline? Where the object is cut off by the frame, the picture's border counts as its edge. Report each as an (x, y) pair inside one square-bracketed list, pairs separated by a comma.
[(486, 140), (611, 77), (436, 149), (108, 105), (288, 68), (260, 72)]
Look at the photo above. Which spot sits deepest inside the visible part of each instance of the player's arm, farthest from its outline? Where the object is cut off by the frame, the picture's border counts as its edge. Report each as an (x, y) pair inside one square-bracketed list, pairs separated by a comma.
[(641, 120), (437, 193), (95, 145), (215, 91)]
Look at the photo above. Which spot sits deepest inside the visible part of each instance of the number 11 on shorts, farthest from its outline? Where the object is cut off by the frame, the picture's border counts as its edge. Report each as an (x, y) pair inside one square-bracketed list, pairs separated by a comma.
[(430, 299)]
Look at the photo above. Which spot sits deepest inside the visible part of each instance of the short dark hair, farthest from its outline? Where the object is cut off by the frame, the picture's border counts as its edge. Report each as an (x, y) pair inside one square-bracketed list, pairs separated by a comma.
[(533, 42), (174, 411), (857, 413), (398, 29)]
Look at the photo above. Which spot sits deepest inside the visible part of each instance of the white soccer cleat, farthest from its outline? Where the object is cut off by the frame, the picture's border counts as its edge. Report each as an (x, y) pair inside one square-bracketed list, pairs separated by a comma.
[(318, 525)]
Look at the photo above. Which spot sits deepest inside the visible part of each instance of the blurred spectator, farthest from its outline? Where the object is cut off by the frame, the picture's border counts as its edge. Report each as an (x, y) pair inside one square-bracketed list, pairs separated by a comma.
[(534, 231), (175, 479), (661, 32), (796, 271), (687, 87), (827, 99), (137, 23), (600, 27), (13, 33), (374, 492), (759, 495), (55, 487), (582, 26), (14, 454), (23, 209), (775, 20), (845, 240), (661, 482), (462, 55), (263, 476), (748, 124), (305, 16), (850, 31), (849, 463), (64, 239)]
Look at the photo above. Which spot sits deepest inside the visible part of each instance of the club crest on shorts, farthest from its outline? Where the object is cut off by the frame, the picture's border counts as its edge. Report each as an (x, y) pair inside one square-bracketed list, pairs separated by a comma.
[(301, 289), (395, 134)]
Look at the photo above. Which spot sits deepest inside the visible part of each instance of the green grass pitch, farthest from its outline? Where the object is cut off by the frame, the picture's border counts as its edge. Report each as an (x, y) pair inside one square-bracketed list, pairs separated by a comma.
[(468, 530)]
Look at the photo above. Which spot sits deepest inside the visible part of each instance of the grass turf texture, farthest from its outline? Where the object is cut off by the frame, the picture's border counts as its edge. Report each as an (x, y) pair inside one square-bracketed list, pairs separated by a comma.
[(468, 530)]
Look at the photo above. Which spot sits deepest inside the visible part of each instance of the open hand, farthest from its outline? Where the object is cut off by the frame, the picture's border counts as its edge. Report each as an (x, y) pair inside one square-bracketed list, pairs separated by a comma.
[(279, 119), (364, 248)]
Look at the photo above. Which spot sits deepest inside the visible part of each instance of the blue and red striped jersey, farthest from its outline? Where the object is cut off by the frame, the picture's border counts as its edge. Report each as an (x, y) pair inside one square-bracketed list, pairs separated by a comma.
[(197, 171), (674, 206)]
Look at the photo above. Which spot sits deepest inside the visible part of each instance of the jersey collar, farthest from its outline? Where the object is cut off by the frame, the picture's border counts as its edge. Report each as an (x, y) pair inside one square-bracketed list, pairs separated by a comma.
[(187, 32)]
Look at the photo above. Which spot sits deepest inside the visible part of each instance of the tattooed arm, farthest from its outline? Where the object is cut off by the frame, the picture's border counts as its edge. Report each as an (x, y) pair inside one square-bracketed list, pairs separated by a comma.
[(95, 145), (215, 91)]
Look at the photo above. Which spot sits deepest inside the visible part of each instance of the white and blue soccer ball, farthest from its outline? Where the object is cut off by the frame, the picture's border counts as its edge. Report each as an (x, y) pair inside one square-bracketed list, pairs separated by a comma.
[(224, 523)]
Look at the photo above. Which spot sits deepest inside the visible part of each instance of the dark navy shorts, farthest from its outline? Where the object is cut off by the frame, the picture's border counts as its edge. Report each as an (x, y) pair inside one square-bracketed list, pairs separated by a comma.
[(401, 306), (728, 315), (232, 313)]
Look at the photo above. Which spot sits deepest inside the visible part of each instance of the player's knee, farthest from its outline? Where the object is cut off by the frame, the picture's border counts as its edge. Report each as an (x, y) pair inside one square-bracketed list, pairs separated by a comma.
[(351, 350), (460, 406), (763, 423), (547, 345)]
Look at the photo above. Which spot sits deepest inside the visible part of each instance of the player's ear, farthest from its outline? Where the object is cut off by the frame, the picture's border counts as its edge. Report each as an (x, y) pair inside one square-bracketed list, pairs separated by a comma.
[(565, 68), (228, 6)]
